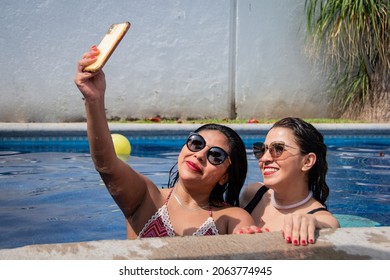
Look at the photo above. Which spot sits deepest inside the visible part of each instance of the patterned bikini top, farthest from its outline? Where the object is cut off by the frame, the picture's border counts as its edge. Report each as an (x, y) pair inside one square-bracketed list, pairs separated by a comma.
[(159, 225)]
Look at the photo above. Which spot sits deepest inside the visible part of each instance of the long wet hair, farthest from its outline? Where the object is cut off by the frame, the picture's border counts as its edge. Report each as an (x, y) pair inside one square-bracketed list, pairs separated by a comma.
[(237, 170), (310, 140)]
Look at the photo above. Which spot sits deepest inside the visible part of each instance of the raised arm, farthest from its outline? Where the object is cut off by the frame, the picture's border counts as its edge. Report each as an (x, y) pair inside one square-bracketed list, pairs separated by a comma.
[(126, 186)]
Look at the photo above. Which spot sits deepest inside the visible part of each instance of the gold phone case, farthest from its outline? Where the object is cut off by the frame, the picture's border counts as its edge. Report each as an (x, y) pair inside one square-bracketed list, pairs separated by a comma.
[(107, 46)]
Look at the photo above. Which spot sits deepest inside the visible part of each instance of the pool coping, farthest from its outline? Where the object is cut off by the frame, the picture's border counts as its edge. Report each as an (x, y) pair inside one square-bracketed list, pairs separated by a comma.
[(80, 128), (372, 243), (148, 126)]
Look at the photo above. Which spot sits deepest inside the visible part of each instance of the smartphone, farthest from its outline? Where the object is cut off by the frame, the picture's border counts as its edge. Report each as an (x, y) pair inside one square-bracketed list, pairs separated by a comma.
[(107, 46)]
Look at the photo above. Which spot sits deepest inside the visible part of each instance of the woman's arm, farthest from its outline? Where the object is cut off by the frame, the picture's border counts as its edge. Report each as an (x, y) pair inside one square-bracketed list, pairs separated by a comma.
[(126, 186), (326, 220)]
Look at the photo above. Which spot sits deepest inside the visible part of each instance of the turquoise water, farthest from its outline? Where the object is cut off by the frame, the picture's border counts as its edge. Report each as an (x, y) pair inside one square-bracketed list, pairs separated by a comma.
[(51, 193)]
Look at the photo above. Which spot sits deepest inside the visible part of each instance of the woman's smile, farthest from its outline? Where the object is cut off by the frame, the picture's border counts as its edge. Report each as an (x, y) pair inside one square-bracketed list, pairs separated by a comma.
[(193, 166)]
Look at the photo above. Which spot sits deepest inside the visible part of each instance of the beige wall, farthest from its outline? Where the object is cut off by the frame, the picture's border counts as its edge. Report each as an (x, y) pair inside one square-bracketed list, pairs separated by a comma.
[(181, 58)]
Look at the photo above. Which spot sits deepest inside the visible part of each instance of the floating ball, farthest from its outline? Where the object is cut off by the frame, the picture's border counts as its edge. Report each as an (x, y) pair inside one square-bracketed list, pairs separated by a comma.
[(121, 144)]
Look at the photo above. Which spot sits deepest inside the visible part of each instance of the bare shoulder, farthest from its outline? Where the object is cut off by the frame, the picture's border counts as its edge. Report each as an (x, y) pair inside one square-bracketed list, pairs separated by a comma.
[(316, 205), (324, 218), (248, 192), (233, 214), (231, 219), (233, 211)]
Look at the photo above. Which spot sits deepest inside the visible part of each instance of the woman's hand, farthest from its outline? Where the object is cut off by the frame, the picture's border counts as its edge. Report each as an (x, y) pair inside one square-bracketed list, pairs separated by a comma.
[(250, 230), (91, 85), (299, 229)]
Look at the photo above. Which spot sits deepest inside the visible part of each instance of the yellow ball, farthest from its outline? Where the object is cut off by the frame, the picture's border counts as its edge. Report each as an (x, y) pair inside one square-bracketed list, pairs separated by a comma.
[(121, 144)]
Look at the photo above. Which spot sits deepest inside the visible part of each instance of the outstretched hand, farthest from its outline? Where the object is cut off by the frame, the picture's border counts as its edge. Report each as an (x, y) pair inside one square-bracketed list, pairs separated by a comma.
[(91, 85), (299, 229)]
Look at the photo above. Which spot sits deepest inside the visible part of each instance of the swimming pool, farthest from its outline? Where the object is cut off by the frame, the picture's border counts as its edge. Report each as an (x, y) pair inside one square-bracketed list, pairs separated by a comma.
[(51, 193)]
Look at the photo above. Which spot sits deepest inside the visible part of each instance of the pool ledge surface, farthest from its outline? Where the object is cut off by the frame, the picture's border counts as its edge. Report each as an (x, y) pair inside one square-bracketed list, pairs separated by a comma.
[(81, 126), (332, 244), (80, 129)]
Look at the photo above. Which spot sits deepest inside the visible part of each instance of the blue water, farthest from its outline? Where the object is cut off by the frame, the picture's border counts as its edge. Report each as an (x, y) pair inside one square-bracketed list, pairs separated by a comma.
[(51, 193)]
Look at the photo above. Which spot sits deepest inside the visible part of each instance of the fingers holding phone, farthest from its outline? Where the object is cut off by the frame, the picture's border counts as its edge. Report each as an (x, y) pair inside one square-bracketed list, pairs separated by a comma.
[(91, 85), (88, 58), (89, 78), (110, 41)]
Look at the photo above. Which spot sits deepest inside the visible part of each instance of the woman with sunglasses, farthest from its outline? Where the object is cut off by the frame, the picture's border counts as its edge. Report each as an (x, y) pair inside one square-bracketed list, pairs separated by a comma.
[(292, 199), (203, 194)]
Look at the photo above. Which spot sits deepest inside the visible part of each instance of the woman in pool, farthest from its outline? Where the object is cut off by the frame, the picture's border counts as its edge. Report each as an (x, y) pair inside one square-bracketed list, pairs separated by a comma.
[(202, 200), (292, 198)]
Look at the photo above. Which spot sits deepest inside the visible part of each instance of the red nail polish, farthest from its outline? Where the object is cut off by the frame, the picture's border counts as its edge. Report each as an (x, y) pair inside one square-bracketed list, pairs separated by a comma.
[(94, 47), (296, 242), (288, 239), (303, 242), (311, 241)]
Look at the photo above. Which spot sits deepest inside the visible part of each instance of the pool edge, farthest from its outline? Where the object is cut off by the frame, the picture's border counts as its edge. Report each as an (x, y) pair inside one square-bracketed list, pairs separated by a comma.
[(42, 129), (372, 243)]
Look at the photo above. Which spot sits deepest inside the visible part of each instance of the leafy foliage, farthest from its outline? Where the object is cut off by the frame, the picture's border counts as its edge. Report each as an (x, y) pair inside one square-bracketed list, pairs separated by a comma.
[(352, 38)]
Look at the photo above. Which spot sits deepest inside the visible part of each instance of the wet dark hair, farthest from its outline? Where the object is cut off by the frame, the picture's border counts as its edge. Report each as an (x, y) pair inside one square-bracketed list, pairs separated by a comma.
[(310, 140), (230, 191)]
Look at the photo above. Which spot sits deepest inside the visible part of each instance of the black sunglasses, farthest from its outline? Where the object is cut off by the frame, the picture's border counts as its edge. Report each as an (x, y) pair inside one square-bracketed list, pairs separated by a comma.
[(276, 149), (215, 155)]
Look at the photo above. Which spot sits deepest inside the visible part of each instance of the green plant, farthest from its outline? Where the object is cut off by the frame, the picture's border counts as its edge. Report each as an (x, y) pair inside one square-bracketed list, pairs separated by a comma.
[(352, 38)]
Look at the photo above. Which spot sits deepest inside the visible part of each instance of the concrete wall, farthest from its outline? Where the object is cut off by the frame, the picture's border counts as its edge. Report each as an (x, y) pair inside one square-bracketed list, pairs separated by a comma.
[(181, 58)]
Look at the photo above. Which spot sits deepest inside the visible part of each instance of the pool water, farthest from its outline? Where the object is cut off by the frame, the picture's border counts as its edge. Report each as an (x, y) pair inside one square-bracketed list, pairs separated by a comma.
[(51, 193)]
